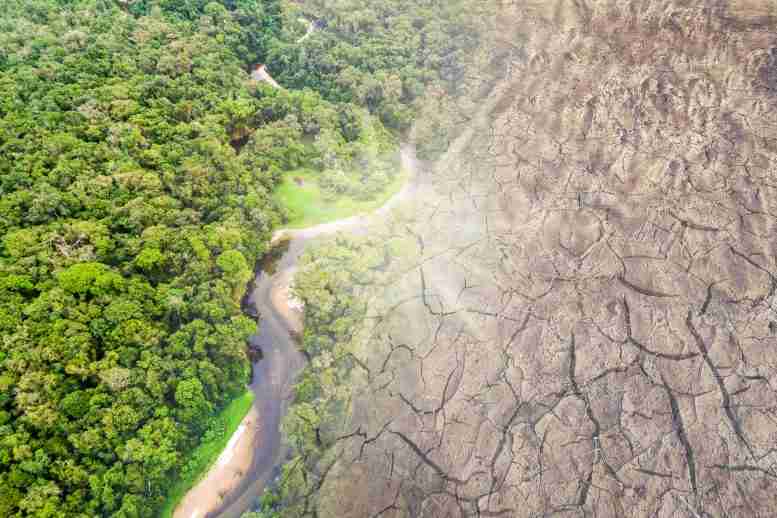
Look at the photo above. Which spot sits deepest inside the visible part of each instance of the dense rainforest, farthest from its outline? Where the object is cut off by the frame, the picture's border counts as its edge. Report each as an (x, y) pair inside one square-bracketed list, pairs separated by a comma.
[(137, 165)]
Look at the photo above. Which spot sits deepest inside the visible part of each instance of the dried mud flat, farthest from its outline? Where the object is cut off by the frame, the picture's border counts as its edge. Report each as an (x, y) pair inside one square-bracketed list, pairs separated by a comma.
[(594, 326)]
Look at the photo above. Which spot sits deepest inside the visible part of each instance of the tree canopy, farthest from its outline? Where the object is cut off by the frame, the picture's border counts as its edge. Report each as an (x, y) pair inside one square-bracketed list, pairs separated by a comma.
[(129, 229), (382, 54)]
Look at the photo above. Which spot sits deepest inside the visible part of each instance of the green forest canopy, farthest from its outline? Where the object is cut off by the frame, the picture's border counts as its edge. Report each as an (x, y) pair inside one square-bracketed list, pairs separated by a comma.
[(137, 164)]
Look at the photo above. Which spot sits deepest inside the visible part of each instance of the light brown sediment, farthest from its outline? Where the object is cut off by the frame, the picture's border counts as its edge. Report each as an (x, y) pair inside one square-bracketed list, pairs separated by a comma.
[(284, 302), (226, 473)]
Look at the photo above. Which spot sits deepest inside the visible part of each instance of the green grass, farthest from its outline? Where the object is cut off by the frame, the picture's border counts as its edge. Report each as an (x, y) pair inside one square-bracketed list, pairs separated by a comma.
[(213, 443), (308, 206)]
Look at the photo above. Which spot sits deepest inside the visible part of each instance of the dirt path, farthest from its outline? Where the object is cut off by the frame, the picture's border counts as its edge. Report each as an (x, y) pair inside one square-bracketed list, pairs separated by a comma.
[(253, 455)]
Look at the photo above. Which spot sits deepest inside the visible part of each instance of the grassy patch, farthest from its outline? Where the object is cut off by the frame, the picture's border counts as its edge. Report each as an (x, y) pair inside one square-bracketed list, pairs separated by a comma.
[(213, 443), (308, 205)]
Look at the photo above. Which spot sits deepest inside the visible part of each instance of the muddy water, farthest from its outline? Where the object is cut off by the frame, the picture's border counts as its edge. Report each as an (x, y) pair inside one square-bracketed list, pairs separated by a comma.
[(281, 360)]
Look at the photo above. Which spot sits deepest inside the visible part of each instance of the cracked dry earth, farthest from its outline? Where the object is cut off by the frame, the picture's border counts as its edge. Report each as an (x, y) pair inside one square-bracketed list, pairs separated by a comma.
[(590, 325)]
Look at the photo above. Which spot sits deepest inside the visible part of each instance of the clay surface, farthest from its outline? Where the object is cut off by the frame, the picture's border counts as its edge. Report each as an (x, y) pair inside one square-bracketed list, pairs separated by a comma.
[(590, 326)]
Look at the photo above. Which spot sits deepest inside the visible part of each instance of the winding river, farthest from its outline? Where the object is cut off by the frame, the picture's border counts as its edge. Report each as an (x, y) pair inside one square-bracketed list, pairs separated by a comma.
[(254, 455)]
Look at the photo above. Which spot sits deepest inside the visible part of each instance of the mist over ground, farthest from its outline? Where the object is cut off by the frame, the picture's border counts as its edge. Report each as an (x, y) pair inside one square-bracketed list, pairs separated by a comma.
[(580, 318), (529, 265)]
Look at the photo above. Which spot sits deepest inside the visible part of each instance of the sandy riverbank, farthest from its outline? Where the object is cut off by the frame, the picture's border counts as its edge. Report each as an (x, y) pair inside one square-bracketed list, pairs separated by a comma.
[(227, 472), (284, 302)]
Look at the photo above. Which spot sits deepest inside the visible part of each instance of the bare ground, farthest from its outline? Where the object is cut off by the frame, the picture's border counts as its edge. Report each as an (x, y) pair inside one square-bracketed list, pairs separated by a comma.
[(285, 303), (590, 326)]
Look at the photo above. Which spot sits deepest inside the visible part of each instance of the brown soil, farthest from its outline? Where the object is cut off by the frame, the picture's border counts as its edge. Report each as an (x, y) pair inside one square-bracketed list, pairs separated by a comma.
[(592, 331), (284, 302)]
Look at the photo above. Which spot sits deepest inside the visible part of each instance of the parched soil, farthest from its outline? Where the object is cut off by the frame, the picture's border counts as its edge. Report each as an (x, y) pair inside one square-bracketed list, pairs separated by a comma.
[(590, 328)]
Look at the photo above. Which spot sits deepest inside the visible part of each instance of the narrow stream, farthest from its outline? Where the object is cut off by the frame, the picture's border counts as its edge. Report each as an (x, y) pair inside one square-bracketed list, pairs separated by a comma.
[(281, 361)]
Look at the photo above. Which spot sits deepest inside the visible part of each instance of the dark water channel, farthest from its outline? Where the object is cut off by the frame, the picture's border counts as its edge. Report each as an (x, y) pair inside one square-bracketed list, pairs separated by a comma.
[(277, 357)]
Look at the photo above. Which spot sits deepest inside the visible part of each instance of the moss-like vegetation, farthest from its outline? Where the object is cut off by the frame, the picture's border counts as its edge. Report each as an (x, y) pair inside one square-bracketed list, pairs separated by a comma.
[(309, 204)]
